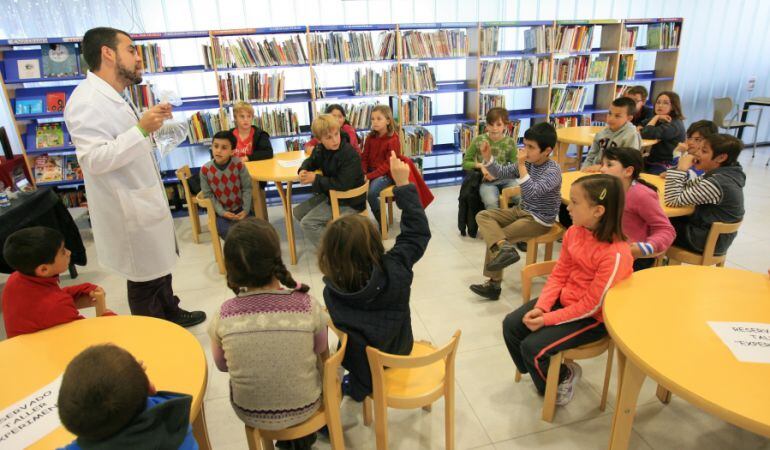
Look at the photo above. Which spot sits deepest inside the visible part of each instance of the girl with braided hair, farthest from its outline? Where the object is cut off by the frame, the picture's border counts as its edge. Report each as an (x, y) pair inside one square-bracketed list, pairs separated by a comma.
[(268, 336)]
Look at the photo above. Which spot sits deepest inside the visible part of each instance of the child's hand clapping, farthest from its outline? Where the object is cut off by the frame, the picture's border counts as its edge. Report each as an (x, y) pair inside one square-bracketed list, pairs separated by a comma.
[(399, 170)]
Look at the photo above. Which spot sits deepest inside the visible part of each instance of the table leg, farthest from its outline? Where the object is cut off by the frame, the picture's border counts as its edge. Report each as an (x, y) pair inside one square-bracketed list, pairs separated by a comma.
[(288, 215), (259, 200), (200, 432), (744, 116), (629, 385)]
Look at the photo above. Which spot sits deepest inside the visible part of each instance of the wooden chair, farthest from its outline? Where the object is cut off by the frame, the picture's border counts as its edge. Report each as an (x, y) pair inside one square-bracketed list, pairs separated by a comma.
[(327, 415), (591, 350), (414, 381), (336, 196), (193, 203), (386, 198), (548, 238), (677, 255)]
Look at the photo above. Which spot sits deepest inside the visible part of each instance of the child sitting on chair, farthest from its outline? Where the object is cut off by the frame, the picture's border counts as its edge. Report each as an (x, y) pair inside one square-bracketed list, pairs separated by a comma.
[(107, 401), (32, 297), (620, 132), (226, 181), (367, 289)]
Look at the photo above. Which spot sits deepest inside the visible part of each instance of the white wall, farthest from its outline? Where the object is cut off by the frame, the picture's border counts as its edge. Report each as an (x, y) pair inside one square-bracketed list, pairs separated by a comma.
[(723, 43)]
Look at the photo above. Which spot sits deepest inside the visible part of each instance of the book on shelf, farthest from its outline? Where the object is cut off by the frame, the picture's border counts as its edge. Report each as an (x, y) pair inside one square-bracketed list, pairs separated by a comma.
[(599, 68), (48, 168), (28, 69), (571, 121), (570, 70), (420, 78), (278, 122), (367, 81), (464, 134), (574, 38), (336, 47), (142, 96), (152, 59), (71, 168), (55, 102), (620, 90), (509, 73), (627, 67), (434, 44), (489, 41), (567, 100), (539, 39), (250, 52), (49, 135), (293, 145), (489, 101), (663, 35), (29, 106), (73, 198), (416, 110), (202, 127), (415, 141), (317, 89), (628, 39), (512, 128), (252, 87), (59, 60), (358, 115)]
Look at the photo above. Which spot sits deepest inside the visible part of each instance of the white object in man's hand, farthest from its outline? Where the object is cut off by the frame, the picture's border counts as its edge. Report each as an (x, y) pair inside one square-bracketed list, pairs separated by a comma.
[(153, 118)]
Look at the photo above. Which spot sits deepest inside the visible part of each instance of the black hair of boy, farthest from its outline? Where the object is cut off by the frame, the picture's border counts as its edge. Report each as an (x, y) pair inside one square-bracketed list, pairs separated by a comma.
[(542, 133), (29, 248), (725, 144), (102, 390), (626, 102), (94, 40), (226, 135), (705, 128)]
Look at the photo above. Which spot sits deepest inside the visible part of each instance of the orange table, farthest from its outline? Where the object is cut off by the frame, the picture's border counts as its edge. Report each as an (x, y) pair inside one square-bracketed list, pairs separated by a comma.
[(658, 320), (173, 357), (567, 178), (272, 170), (581, 137)]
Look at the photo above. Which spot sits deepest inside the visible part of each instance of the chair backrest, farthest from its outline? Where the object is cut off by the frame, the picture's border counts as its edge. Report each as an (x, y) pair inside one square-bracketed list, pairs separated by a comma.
[(531, 271), (717, 229), (723, 106), (336, 196), (507, 194), (184, 174)]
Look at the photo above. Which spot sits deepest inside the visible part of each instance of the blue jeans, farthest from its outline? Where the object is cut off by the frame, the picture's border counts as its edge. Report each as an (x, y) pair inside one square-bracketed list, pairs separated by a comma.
[(223, 225), (490, 192), (375, 187)]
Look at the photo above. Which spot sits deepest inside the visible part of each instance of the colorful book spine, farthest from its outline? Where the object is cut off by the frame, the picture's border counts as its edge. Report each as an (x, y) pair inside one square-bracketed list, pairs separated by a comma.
[(627, 67), (367, 81), (489, 101), (250, 52), (293, 145), (278, 122), (417, 141), (435, 44), (567, 100), (252, 87), (539, 39), (574, 38), (203, 126), (489, 41), (464, 134), (351, 47), (628, 40), (418, 109), (509, 73), (142, 96), (420, 78), (152, 57)]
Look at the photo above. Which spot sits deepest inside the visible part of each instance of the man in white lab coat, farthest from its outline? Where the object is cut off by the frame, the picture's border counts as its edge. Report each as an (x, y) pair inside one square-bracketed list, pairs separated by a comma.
[(132, 225)]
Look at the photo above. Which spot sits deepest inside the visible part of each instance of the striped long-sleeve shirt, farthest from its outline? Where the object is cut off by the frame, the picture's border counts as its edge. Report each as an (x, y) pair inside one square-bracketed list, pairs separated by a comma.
[(540, 189), (681, 190)]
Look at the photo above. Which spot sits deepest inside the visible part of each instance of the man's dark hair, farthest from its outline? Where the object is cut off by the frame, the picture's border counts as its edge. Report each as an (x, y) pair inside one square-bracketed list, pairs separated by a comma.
[(725, 144), (28, 248), (703, 127), (94, 40), (626, 102), (226, 135), (102, 390), (542, 133)]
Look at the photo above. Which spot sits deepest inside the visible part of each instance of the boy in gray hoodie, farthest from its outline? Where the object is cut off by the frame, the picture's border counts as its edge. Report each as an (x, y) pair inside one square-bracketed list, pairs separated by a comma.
[(620, 132)]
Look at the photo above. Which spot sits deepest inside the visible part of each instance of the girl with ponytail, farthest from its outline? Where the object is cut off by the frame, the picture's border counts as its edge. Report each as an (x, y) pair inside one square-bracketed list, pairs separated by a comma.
[(648, 229), (269, 335)]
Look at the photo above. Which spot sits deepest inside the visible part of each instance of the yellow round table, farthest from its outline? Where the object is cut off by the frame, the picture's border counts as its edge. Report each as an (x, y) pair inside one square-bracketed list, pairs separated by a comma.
[(567, 178), (581, 137), (276, 171), (173, 357), (658, 320)]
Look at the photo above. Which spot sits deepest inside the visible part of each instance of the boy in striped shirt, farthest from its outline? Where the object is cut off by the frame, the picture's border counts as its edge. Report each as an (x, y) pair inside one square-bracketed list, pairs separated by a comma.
[(540, 182), (717, 194)]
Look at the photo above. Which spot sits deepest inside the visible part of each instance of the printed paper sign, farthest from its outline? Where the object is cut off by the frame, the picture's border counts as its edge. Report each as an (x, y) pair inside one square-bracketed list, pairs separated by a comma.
[(290, 163), (30, 419), (749, 341)]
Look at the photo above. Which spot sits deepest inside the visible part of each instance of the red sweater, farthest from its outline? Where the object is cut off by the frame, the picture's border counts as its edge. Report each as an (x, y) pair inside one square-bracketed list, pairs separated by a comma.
[(376, 156), (347, 128), (32, 304), (585, 271)]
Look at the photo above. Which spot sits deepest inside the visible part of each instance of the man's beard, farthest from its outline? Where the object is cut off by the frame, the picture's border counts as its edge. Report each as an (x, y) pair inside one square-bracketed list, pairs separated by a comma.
[(129, 75)]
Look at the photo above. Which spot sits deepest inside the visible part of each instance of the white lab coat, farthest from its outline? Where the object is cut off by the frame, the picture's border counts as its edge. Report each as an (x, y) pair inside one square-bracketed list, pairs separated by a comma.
[(132, 224)]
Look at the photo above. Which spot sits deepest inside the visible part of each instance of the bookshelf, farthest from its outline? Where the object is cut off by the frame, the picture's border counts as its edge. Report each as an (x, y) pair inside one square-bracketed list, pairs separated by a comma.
[(541, 63)]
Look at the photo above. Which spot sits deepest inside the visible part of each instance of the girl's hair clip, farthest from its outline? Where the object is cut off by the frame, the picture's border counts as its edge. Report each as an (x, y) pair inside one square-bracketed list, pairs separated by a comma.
[(603, 194)]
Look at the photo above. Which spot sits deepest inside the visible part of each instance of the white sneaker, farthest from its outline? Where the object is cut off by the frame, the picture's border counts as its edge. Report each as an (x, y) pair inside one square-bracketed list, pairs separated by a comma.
[(566, 388)]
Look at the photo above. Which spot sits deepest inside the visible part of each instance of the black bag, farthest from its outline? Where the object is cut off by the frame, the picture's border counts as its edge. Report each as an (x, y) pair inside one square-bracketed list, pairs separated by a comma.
[(469, 203)]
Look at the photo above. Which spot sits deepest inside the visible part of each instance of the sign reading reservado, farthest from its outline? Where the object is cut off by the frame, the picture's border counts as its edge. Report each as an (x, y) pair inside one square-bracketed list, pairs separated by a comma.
[(30, 419)]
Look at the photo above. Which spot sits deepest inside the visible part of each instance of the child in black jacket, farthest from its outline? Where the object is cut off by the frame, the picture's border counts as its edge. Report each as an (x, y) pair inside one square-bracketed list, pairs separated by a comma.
[(367, 290)]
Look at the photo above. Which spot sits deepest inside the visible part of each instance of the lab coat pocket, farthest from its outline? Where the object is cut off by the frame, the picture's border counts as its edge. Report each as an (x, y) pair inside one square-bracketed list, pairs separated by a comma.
[(147, 206)]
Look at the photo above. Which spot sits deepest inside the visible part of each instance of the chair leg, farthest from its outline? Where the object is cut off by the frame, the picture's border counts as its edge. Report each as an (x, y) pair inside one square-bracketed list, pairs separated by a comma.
[(663, 394), (449, 416), (381, 425), (390, 211), (367, 406), (383, 219), (531, 252), (216, 243), (607, 376), (548, 251), (195, 220), (551, 387), (517, 378), (253, 439)]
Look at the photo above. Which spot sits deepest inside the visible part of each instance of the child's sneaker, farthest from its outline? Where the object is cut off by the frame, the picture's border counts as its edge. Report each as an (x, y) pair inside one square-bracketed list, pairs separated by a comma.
[(566, 388)]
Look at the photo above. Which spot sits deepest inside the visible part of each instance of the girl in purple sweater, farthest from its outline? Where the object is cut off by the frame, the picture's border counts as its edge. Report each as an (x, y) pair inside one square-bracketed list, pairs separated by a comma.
[(648, 229)]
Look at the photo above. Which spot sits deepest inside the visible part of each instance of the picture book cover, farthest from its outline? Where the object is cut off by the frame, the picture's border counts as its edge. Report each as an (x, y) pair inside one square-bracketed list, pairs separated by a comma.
[(28, 68), (29, 106), (48, 168), (72, 170), (60, 60), (49, 135), (55, 101)]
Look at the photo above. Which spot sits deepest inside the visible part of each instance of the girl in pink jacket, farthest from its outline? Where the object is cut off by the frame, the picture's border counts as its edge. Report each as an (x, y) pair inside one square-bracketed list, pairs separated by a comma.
[(594, 257)]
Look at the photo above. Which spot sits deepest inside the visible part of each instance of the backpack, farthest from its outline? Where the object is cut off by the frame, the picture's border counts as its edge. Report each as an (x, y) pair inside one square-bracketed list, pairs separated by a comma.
[(469, 203)]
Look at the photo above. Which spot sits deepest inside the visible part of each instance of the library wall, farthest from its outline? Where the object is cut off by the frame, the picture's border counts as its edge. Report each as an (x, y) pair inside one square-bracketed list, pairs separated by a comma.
[(721, 44)]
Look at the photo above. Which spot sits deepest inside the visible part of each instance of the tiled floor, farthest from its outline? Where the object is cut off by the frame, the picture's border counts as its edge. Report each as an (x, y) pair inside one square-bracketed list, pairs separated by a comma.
[(492, 412)]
